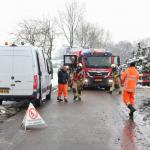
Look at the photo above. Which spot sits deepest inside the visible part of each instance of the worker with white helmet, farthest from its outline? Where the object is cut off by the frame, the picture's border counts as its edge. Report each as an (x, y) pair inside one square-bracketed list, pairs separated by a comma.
[(116, 84), (77, 82)]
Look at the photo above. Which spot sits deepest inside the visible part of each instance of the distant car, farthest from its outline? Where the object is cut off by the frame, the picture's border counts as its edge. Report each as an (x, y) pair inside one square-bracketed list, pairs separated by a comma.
[(25, 74)]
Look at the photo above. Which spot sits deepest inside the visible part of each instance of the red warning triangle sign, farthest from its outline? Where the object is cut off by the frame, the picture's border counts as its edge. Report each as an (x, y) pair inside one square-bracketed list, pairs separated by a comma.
[(32, 118)]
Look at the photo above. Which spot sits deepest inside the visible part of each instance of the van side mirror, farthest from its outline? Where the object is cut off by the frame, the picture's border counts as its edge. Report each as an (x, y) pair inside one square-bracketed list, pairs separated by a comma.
[(51, 73), (50, 70)]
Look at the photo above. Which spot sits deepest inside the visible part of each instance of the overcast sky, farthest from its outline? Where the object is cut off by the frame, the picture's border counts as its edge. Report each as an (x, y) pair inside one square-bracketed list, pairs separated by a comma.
[(125, 19)]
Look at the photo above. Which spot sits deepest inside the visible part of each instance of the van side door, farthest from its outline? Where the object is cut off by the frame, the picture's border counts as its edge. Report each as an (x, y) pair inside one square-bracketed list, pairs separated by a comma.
[(49, 68), (23, 71), (6, 76), (44, 75)]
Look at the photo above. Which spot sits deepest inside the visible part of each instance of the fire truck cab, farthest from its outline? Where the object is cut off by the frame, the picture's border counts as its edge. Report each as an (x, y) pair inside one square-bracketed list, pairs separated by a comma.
[(96, 66)]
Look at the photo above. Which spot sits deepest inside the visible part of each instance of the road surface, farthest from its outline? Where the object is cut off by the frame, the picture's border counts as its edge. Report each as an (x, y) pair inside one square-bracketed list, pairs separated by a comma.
[(98, 122)]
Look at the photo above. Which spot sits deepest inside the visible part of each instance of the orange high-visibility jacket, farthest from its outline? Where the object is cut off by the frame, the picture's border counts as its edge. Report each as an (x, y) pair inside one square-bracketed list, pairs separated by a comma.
[(129, 79)]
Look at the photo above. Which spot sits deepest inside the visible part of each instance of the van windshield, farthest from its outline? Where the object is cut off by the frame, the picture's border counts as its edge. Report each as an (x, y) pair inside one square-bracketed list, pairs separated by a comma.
[(98, 61)]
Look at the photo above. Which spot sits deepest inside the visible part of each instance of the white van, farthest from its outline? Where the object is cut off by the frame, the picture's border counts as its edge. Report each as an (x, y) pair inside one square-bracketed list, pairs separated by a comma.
[(25, 74)]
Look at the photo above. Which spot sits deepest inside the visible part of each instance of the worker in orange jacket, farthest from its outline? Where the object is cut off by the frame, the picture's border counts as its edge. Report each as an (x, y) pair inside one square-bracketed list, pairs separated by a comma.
[(63, 78), (129, 79)]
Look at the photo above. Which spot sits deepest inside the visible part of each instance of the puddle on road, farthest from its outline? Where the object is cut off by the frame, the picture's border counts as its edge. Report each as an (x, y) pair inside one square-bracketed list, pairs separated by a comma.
[(128, 136)]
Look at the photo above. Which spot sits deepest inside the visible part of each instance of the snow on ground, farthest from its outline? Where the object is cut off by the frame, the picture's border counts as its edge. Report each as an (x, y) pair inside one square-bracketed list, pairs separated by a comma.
[(56, 64), (55, 78), (142, 87), (143, 111)]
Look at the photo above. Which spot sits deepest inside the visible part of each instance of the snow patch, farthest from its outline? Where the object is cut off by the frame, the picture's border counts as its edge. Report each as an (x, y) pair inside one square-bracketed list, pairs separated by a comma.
[(142, 87), (55, 78)]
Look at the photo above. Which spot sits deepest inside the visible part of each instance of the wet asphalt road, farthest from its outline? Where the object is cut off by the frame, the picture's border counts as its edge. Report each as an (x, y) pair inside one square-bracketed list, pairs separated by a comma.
[(98, 122)]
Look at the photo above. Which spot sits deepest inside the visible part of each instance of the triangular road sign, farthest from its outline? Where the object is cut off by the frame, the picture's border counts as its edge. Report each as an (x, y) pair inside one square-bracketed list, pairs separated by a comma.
[(32, 118)]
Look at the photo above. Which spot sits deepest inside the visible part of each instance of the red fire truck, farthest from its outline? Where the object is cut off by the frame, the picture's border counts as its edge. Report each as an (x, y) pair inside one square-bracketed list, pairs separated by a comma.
[(96, 66), (146, 79)]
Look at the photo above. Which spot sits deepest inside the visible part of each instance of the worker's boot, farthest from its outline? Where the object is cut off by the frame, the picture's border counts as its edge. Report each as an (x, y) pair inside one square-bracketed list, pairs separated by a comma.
[(79, 98), (65, 99), (110, 92), (120, 92), (59, 99), (75, 98), (131, 115), (132, 110)]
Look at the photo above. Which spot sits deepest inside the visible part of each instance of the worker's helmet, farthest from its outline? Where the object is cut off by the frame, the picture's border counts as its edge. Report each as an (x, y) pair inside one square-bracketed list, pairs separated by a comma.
[(67, 67), (79, 65), (113, 66)]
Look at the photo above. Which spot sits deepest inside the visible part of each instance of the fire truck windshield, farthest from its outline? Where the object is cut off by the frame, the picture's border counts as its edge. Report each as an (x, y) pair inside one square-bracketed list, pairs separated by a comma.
[(98, 61)]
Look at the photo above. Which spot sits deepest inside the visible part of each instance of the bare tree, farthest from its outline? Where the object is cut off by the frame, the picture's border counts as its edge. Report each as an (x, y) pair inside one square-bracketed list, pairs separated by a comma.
[(104, 39), (28, 31), (145, 42), (69, 19), (124, 49), (39, 33), (82, 34), (47, 36), (90, 35), (94, 35)]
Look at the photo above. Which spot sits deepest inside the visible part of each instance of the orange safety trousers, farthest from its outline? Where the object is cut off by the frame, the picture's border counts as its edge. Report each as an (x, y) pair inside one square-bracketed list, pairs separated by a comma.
[(128, 97), (62, 88)]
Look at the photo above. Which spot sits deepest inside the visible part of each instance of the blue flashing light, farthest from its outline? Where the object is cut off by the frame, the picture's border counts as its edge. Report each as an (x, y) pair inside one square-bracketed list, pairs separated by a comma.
[(86, 51)]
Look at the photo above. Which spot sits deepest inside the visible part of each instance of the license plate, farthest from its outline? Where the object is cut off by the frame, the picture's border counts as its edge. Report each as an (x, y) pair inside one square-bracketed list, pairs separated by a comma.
[(98, 80), (4, 90)]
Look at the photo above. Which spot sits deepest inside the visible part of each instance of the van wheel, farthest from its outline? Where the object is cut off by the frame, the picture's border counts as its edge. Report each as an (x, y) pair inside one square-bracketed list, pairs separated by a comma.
[(1, 102), (48, 97)]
